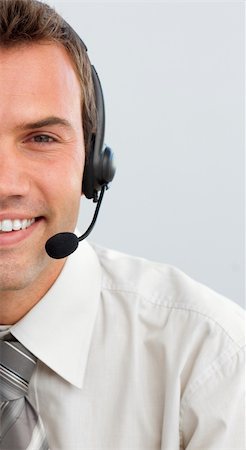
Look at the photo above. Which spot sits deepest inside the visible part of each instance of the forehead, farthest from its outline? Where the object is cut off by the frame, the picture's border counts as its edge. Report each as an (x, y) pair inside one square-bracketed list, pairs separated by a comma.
[(39, 76)]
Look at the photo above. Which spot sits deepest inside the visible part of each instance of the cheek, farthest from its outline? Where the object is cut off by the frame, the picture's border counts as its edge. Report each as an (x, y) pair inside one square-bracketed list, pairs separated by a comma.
[(74, 175), (61, 183), (69, 181)]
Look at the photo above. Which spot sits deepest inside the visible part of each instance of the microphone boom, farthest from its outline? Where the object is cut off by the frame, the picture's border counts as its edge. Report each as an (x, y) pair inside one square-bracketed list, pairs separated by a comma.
[(63, 244)]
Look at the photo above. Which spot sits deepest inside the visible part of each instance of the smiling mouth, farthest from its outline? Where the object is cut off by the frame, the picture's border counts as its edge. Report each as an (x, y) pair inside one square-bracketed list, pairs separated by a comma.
[(8, 225)]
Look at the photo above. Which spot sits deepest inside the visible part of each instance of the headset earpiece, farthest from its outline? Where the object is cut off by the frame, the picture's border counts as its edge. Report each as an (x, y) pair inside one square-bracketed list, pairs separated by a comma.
[(97, 172)]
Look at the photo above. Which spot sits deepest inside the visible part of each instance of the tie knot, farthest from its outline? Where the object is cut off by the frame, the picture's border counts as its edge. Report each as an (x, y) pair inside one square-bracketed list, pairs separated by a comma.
[(16, 368)]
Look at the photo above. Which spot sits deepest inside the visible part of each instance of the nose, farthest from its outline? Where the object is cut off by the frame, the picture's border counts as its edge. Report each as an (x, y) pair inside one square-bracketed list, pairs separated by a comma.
[(14, 180)]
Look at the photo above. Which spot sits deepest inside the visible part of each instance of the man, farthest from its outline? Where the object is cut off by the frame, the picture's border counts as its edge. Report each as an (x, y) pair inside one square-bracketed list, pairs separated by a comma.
[(131, 355)]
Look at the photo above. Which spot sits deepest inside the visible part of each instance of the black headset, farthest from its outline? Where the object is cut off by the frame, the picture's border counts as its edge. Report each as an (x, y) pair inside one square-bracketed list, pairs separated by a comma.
[(99, 166), (99, 170)]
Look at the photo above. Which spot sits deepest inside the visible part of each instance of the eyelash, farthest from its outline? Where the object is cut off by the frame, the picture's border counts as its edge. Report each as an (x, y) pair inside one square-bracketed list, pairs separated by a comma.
[(48, 141)]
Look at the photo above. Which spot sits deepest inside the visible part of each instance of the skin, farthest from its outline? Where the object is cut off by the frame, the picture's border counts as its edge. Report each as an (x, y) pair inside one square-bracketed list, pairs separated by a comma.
[(41, 168)]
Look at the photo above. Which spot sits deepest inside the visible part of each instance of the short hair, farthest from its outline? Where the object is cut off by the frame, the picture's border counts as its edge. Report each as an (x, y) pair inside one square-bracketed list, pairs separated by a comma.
[(29, 21)]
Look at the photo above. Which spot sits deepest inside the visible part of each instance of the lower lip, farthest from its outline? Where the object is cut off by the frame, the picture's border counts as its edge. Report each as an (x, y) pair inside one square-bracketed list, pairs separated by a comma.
[(14, 237)]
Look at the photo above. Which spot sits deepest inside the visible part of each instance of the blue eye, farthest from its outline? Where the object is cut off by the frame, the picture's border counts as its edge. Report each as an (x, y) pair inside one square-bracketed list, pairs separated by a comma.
[(43, 139)]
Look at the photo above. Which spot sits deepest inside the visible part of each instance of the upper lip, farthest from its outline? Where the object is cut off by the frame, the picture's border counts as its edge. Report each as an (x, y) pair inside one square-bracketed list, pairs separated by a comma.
[(12, 216)]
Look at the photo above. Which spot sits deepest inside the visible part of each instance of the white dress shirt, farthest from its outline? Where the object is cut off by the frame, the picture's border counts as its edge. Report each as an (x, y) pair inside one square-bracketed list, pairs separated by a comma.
[(135, 355)]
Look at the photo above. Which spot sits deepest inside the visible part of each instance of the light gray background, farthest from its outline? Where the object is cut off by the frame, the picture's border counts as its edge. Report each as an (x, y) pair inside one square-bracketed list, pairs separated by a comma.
[(172, 74)]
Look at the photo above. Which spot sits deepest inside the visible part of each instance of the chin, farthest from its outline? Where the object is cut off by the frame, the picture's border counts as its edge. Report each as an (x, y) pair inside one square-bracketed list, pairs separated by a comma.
[(17, 275)]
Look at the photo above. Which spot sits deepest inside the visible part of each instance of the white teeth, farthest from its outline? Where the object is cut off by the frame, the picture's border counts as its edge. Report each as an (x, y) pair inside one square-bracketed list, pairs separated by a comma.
[(23, 224), (16, 224), (7, 225)]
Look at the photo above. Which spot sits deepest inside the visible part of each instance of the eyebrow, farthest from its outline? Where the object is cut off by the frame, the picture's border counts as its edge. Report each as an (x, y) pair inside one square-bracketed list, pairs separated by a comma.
[(47, 121)]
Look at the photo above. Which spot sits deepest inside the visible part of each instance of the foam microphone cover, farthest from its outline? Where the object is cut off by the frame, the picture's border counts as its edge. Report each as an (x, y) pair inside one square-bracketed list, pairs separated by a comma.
[(61, 245)]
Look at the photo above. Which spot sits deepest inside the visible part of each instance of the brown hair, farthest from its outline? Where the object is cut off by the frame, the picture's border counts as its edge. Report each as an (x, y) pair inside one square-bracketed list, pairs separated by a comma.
[(27, 21)]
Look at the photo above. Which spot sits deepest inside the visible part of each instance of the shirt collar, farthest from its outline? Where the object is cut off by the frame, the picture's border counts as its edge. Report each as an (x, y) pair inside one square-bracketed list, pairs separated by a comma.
[(58, 330)]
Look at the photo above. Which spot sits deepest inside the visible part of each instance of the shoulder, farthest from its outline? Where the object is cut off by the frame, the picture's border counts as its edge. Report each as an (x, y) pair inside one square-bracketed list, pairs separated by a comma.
[(165, 287)]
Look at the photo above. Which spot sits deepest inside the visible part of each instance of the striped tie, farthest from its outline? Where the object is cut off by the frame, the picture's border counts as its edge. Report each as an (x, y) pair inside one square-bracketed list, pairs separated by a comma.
[(20, 426)]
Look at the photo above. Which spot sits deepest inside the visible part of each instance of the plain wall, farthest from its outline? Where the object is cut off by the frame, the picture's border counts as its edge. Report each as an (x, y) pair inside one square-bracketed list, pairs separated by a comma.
[(172, 75)]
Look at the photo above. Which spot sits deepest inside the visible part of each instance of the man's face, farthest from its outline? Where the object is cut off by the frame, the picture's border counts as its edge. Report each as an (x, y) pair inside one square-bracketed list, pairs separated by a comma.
[(41, 159)]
